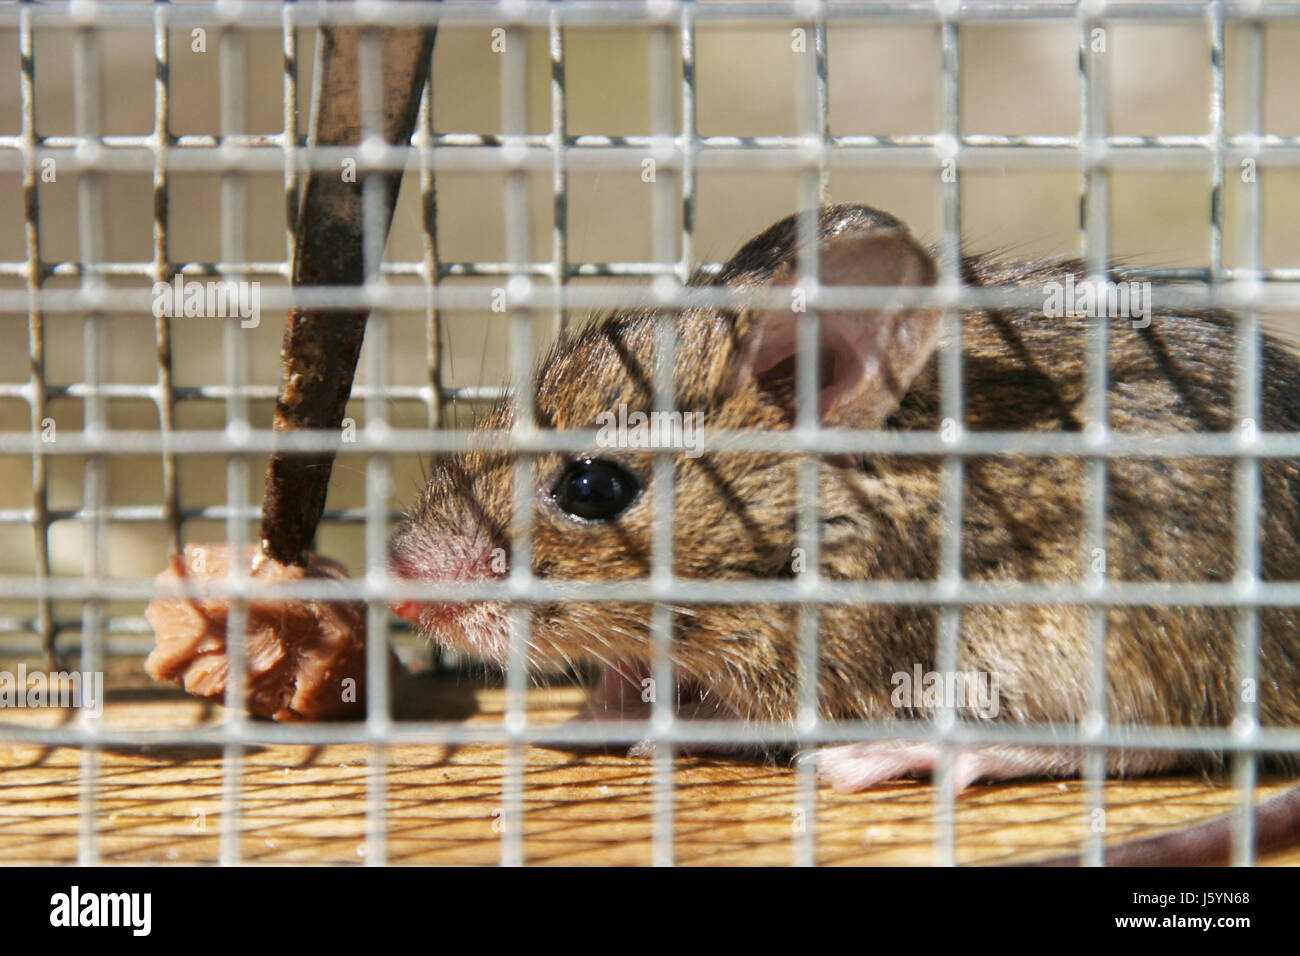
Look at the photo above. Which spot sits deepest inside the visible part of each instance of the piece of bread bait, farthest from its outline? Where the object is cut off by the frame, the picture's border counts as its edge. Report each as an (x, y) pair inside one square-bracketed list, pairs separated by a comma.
[(306, 660)]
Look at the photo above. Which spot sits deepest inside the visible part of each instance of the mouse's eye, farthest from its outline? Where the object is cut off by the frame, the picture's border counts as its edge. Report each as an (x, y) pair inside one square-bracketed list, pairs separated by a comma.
[(596, 489)]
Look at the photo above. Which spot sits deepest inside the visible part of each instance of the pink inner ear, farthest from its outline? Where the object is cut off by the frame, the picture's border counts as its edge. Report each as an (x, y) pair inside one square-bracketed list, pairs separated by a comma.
[(841, 362), (868, 357)]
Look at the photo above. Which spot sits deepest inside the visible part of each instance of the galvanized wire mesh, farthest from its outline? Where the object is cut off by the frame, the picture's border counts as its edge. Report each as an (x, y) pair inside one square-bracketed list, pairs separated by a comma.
[(93, 285)]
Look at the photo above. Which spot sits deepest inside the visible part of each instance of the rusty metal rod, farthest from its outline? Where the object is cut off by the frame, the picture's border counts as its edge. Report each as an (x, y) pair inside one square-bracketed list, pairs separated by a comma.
[(320, 349)]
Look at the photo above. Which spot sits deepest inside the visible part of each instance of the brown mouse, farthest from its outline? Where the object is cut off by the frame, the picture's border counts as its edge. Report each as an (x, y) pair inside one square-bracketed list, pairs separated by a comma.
[(735, 514)]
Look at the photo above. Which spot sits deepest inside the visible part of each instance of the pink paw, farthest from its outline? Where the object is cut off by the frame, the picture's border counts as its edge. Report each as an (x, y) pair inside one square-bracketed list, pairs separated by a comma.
[(854, 767)]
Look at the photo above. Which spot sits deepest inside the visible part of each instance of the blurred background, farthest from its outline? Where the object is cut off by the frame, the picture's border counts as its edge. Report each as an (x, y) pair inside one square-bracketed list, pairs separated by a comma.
[(884, 80)]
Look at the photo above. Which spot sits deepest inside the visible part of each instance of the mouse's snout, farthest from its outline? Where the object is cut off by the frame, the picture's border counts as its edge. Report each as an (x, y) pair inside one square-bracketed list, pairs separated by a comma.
[(402, 567), (416, 554), (471, 555)]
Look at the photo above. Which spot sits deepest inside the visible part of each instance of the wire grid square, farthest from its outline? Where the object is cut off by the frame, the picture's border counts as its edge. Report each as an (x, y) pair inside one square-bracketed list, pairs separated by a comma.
[(528, 156)]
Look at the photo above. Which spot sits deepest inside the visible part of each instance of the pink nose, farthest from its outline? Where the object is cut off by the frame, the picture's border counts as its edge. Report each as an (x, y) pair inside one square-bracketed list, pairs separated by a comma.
[(400, 566), (408, 610)]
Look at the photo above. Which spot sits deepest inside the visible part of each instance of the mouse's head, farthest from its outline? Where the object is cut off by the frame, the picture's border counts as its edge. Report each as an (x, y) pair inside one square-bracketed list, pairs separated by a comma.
[(735, 515)]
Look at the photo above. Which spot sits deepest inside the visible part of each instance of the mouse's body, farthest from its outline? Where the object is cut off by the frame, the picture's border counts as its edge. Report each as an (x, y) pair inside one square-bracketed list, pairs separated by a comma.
[(736, 515), (1169, 520)]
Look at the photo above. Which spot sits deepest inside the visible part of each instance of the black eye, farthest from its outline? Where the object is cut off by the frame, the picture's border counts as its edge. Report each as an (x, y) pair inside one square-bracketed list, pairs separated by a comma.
[(596, 489)]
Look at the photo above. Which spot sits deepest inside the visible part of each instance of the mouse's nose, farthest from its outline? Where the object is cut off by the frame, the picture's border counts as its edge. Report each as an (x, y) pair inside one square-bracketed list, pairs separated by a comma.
[(407, 610), (402, 568)]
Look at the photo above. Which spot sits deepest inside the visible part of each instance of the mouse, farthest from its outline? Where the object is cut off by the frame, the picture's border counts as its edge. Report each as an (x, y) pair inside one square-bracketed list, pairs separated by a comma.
[(881, 516)]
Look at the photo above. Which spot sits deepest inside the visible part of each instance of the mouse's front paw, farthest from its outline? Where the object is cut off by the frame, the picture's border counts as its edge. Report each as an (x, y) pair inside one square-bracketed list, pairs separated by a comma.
[(852, 767)]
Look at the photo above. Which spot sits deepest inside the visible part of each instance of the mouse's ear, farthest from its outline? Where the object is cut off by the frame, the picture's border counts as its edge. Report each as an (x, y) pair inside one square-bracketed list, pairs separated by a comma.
[(868, 357)]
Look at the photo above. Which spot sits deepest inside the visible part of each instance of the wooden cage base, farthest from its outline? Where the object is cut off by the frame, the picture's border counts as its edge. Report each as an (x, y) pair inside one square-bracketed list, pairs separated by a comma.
[(304, 804)]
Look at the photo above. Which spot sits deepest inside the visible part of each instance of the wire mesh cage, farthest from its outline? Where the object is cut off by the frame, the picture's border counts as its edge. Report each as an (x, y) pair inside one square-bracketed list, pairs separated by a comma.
[(568, 159)]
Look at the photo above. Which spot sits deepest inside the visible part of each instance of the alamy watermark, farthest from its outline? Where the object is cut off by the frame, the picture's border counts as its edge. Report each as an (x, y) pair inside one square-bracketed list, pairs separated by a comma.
[(55, 689), (975, 691), (133, 911), (220, 299), (624, 429), (1093, 299)]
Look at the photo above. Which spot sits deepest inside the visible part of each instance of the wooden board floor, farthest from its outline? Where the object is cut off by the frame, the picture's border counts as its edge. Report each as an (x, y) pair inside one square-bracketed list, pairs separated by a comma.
[(304, 804)]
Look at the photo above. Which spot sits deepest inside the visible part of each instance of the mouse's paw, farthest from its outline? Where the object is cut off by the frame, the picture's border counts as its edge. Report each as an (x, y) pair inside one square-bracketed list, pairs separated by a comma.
[(853, 767)]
